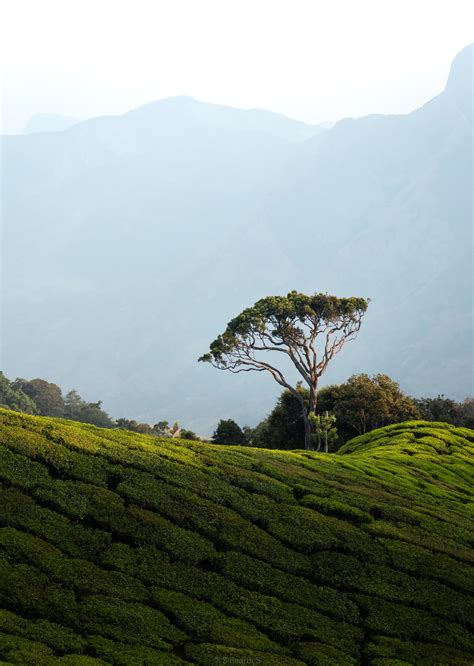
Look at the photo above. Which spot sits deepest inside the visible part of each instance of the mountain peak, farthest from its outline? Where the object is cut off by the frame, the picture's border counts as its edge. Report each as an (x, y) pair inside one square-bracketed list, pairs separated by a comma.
[(460, 79)]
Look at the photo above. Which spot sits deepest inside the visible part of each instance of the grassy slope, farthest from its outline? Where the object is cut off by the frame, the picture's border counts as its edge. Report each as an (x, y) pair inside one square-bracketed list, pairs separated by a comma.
[(116, 548)]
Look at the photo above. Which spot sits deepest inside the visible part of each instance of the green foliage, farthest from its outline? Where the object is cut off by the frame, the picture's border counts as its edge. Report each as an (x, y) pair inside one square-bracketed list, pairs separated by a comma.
[(318, 654), (188, 434), (284, 427), (359, 405), (334, 507), (447, 410), (77, 409), (12, 397), (126, 548), (55, 636), (124, 654), (17, 650), (387, 650), (206, 624), (126, 622), (325, 431), (364, 403), (37, 396), (47, 396), (284, 314), (207, 654), (228, 432)]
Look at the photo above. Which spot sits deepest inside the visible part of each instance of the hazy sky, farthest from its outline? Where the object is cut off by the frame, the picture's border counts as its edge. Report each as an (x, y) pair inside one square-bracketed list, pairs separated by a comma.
[(308, 59)]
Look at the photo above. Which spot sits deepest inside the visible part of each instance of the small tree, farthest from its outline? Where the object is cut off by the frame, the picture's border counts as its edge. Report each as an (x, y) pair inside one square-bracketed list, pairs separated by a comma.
[(289, 325), (174, 430), (188, 434), (228, 432), (161, 429), (325, 429)]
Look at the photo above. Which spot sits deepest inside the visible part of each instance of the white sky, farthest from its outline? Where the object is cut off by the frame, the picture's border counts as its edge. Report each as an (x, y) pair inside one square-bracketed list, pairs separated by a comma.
[(308, 59)]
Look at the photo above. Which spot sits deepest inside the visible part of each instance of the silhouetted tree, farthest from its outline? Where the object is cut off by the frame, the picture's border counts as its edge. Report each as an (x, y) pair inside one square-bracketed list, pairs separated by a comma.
[(228, 432), (447, 410), (438, 409), (284, 426), (466, 413), (78, 409)]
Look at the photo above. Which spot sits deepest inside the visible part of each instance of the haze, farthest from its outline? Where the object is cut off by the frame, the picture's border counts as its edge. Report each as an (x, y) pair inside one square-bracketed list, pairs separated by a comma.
[(310, 60)]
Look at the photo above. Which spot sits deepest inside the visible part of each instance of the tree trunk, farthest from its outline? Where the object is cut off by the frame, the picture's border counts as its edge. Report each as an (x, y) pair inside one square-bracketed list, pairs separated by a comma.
[(308, 440), (306, 411), (326, 433), (312, 400), (308, 423)]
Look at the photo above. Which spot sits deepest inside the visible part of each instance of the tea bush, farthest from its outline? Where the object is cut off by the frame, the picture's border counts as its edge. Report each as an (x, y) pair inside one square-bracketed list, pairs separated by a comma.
[(121, 548)]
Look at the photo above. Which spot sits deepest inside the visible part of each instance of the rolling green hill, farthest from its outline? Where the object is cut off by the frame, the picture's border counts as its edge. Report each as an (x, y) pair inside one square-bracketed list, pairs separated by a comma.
[(119, 548)]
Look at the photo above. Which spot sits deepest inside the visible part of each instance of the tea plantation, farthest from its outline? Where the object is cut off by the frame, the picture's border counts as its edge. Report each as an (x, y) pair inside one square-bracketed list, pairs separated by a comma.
[(118, 548)]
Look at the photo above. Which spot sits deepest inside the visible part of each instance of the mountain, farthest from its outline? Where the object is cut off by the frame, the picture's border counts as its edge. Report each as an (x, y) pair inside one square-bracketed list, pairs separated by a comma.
[(48, 122), (384, 205), (118, 549), (132, 240)]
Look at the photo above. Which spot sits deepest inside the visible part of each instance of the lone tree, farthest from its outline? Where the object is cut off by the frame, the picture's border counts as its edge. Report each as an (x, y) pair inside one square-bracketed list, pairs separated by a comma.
[(290, 325)]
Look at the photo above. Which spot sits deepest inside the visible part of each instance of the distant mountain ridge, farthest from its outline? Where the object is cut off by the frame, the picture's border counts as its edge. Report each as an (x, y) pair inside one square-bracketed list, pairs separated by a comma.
[(48, 122), (132, 240)]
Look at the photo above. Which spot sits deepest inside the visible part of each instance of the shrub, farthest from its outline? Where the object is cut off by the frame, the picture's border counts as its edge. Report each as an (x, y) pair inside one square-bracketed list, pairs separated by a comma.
[(123, 654), (318, 654), (19, 510), (59, 638), (255, 574), (205, 623), (395, 620), (127, 622), (17, 650), (207, 654), (424, 654), (333, 507)]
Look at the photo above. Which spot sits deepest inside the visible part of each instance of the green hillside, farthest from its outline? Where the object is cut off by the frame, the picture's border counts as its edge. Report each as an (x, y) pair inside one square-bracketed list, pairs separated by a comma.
[(118, 548)]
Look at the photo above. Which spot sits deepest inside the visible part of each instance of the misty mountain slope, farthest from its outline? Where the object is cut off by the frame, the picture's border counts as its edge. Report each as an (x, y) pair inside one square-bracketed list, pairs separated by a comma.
[(131, 241), (113, 218), (48, 122), (384, 209)]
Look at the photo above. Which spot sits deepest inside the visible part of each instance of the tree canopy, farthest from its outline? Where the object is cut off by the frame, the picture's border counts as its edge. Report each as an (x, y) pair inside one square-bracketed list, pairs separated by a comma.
[(47, 396), (364, 403), (228, 432), (290, 326), (12, 397)]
